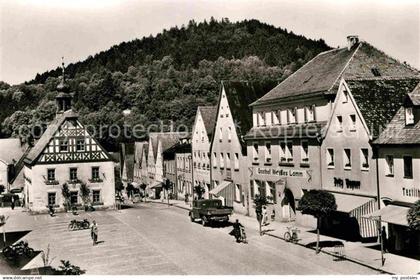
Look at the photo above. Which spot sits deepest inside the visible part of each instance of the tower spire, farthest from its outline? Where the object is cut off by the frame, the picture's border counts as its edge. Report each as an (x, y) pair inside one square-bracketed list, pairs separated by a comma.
[(63, 98)]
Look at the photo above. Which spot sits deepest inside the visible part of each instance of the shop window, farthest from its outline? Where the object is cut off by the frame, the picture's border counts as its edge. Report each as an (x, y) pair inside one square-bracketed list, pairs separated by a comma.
[(408, 167), (347, 158), (389, 165)]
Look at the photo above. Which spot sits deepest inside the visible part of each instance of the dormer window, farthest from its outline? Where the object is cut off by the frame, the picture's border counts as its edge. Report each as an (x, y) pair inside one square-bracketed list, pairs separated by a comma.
[(375, 72), (409, 116)]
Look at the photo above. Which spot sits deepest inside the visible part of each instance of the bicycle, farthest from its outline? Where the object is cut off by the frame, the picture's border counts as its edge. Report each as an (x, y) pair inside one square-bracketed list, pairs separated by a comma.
[(291, 235)]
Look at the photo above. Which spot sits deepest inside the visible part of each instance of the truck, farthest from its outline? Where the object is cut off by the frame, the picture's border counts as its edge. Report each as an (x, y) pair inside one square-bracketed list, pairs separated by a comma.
[(209, 210)]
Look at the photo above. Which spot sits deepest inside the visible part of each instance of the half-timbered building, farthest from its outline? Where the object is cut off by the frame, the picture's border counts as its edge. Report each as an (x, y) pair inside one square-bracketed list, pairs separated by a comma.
[(67, 154)]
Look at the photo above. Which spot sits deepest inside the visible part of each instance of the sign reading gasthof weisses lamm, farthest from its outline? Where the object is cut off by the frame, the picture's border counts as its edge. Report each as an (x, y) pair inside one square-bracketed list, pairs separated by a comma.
[(282, 172)]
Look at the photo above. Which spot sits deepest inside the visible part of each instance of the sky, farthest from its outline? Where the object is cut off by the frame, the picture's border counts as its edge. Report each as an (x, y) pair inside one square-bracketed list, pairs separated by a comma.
[(35, 34)]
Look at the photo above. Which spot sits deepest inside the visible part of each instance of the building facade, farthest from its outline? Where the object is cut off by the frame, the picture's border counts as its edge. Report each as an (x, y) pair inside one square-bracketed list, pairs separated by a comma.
[(289, 123), (399, 174), (67, 154), (201, 136), (230, 174), (10, 154)]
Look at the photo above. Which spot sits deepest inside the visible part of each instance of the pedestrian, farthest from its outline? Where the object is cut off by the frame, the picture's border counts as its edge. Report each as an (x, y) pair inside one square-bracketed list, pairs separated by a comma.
[(94, 232), (186, 198), (265, 216), (12, 203), (384, 239)]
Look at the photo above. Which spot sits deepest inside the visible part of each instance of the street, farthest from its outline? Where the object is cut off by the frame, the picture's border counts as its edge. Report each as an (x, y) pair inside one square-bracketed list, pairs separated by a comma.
[(157, 239)]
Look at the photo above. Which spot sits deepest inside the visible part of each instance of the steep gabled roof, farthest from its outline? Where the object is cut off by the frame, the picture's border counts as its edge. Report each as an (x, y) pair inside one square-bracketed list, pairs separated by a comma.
[(415, 96), (322, 74), (48, 135), (209, 115), (240, 94), (139, 150), (397, 132), (127, 154), (379, 100), (167, 140)]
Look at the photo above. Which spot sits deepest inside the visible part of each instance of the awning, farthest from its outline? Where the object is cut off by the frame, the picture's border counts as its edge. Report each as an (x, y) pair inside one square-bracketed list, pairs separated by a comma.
[(346, 203), (154, 185), (393, 214), (216, 191)]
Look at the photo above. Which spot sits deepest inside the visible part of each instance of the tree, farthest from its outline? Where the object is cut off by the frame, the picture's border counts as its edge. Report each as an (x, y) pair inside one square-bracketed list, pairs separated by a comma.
[(260, 201), (85, 195), (119, 186), (199, 190), (65, 192), (413, 216), (318, 203)]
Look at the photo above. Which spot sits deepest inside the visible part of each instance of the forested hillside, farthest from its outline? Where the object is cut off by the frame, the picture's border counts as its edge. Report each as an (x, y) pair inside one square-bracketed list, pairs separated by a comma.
[(162, 78)]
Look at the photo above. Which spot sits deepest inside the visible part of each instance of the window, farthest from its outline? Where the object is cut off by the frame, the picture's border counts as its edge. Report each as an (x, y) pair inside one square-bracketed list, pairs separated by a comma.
[(271, 192), (95, 173), (347, 158), (339, 123), (261, 119), (289, 151), (408, 167), (346, 96), (51, 198), (74, 197), (222, 161), (352, 122), (282, 152), (238, 193), (255, 119), (310, 113), (291, 116), (268, 152), (268, 118), (51, 174), (230, 134), (255, 151), (409, 116), (236, 163), (375, 72), (214, 160), (389, 165), (228, 161), (221, 134), (305, 151), (276, 117), (63, 145), (96, 196), (73, 174), (80, 145), (364, 159), (330, 158)]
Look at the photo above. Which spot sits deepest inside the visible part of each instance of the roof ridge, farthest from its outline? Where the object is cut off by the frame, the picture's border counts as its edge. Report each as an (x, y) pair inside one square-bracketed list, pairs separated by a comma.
[(345, 66)]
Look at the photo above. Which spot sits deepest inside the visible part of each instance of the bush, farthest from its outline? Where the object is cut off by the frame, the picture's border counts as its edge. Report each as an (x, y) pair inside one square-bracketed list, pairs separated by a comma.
[(413, 216)]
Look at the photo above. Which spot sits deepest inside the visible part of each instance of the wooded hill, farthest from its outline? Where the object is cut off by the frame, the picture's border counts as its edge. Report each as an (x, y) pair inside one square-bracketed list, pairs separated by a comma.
[(160, 78)]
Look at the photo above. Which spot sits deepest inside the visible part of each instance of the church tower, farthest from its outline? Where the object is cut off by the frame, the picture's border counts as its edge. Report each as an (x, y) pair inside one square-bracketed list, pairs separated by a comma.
[(64, 97)]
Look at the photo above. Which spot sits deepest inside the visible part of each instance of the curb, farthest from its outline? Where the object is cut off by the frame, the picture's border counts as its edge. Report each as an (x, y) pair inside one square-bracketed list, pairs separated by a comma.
[(171, 204)]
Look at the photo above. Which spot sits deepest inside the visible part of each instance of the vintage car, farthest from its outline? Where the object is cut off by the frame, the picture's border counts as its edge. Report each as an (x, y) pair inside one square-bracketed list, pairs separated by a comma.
[(209, 210)]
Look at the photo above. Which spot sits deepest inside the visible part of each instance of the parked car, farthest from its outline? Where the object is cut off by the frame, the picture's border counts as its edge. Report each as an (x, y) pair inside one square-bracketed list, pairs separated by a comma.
[(209, 210)]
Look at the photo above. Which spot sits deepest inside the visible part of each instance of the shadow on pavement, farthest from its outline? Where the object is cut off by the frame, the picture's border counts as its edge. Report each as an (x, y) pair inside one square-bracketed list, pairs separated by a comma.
[(325, 244)]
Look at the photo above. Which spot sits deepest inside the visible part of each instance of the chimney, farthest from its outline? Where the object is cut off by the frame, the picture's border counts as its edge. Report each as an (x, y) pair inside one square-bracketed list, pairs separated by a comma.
[(352, 40)]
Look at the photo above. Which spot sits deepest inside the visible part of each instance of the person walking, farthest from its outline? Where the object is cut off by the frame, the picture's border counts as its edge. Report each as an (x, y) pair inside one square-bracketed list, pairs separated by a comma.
[(265, 216), (12, 203), (384, 239), (94, 232)]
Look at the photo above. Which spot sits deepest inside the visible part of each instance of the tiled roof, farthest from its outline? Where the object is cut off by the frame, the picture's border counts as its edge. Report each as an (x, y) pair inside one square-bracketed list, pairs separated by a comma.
[(307, 130), (240, 94), (209, 115), (48, 135), (379, 99), (396, 132), (322, 74), (10, 149), (415, 96)]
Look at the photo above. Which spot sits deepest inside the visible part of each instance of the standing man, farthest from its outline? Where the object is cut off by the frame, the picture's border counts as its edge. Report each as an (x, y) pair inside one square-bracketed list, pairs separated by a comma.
[(94, 232), (12, 204)]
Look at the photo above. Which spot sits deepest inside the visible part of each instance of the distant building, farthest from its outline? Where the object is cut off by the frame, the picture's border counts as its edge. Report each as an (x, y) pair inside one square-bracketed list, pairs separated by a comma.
[(140, 174), (67, 154), (362, 108), (284, 143), (202, 133), (158, 143), (229, 174), (398, 149), (11, 153), (127, 159)]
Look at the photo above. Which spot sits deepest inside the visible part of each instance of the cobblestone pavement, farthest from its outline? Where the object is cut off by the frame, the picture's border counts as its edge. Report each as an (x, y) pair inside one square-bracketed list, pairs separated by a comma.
[(157, 239)]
